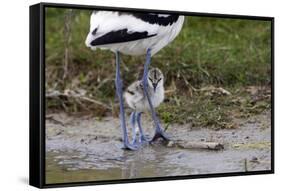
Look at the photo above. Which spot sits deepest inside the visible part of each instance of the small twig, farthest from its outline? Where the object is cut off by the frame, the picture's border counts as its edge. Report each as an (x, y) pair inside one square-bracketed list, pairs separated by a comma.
[(95, 101), (246, 165), (200, 67), (171, 91), (196, 145), (109, 78), (51, 118), (71, 94), (67, 40), (188, 84)]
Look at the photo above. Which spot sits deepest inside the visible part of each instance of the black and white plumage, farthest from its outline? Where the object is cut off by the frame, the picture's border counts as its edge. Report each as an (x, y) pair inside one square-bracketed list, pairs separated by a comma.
[(132, 33)]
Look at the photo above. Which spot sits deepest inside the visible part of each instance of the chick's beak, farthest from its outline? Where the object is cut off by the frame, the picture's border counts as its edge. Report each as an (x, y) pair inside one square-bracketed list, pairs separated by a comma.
[(154, 87)]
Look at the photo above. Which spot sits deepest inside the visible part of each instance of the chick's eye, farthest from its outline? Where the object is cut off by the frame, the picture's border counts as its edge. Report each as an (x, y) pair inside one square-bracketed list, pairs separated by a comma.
[(159, 80), (150, 79)]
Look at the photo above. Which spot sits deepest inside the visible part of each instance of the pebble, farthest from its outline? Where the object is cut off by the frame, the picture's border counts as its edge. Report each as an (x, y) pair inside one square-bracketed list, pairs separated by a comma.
[(72, 169), (254, 159), (170, 144), (181, 156)]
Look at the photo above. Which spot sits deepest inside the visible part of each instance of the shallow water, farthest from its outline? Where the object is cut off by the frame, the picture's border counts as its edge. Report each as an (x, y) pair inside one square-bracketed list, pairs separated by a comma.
[(89, 150)]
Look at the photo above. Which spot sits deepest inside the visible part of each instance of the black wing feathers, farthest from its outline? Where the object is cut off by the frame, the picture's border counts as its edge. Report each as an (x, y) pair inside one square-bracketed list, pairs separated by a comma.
[(119, 37), (155, 19)]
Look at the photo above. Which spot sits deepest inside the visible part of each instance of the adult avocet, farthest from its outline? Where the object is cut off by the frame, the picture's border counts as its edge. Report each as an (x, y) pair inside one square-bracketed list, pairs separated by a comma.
[(133, 34)]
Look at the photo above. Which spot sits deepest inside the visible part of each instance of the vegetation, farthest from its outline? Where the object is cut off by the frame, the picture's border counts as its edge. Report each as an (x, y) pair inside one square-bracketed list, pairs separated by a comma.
[(233, 54)]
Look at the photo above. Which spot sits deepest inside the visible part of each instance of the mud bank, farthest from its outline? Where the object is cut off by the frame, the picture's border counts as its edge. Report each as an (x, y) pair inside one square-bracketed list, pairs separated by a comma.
[(88, 149)]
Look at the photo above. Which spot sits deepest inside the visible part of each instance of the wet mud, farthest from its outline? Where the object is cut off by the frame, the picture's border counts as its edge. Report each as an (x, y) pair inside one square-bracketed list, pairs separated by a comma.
[(89, 149)]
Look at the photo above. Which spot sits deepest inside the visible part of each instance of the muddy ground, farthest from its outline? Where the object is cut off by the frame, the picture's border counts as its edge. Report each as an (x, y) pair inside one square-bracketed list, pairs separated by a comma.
[(88, 149)]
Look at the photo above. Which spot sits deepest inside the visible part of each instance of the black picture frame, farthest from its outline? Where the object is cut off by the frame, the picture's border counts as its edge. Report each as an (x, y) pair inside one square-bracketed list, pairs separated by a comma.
[(37, 96)]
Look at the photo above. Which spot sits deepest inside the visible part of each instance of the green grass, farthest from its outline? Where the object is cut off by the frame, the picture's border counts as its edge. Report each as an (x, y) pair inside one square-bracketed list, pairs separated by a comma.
[(215, 111), (229, 53)]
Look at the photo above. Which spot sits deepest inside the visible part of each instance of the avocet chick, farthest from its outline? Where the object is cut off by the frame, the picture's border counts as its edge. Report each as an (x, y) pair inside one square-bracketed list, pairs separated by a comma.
[(136, 99)]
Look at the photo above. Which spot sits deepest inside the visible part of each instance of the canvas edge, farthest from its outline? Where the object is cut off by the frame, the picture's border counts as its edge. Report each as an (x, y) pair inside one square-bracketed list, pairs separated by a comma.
[(37, 102), (36, 130)]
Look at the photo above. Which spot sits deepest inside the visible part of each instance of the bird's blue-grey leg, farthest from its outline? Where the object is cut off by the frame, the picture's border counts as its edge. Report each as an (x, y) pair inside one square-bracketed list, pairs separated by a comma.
[(159, 132), (133, 125), (118, 83), (143, 138)]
